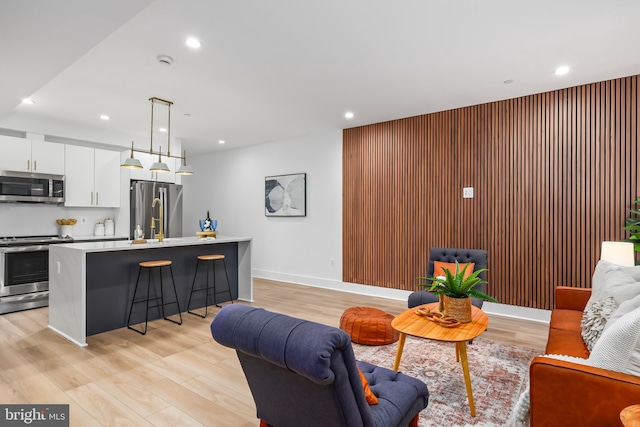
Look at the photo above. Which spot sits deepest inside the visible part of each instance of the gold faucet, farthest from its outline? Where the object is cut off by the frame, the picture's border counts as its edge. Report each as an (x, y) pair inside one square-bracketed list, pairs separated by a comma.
[(160, 235)]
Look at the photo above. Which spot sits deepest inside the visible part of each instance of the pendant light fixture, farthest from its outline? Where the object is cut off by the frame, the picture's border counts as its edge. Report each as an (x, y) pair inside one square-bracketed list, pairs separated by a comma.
[(159, 166), (131, 162), (184, 169)]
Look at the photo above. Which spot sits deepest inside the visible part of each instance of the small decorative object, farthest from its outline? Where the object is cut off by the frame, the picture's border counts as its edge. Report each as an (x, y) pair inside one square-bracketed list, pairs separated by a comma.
[(138, 234), (208, 227), (109, 227), (66, 226), (285, 195), (207, 224), (457, 291)]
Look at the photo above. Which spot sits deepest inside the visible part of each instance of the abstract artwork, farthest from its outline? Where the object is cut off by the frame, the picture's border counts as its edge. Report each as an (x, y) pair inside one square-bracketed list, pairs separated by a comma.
[(285, 195)]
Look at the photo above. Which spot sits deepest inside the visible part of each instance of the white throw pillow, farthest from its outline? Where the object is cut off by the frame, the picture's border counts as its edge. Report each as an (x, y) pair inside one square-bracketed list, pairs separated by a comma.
[(624, 308), (618, 348), (595, 318), (613, 280)]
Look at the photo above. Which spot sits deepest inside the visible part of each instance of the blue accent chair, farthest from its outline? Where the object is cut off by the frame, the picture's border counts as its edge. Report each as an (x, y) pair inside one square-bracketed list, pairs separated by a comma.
[(303, 373), (463, 256)]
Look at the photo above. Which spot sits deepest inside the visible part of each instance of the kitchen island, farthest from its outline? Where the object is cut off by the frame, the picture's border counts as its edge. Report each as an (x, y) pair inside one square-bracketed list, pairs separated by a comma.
[(91, 284)]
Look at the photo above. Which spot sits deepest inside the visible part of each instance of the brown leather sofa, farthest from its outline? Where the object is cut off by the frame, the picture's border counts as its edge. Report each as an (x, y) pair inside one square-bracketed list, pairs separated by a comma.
[(570, 394)]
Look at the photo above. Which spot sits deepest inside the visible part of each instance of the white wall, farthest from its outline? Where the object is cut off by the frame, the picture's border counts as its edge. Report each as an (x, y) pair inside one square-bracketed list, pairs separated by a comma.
[(231, 185)]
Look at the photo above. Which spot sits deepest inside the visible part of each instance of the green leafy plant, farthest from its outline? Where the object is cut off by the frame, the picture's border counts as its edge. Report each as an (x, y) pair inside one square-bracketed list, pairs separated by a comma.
[(455, 285), (632, 224)]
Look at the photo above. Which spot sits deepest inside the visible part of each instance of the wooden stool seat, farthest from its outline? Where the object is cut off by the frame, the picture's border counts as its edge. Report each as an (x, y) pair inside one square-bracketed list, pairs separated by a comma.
[(210, 257), (210, 260), (150, 264)]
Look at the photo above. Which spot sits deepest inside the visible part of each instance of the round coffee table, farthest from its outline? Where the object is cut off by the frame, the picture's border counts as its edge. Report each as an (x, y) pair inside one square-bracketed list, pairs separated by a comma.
[(409, 323)]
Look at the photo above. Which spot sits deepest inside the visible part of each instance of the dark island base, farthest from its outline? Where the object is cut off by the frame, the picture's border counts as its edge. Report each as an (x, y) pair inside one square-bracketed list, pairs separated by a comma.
[(111, 279)]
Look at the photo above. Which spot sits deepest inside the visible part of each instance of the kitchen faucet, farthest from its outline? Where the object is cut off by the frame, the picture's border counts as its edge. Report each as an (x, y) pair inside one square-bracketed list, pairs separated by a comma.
[(160, 235)]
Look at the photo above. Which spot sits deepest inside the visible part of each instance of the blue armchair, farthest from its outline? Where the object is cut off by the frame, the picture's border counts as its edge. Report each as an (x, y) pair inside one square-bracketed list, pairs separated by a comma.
[(302, 373), (463, 256)]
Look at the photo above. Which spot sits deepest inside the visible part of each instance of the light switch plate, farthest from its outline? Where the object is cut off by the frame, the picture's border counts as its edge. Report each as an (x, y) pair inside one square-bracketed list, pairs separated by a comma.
[(467, 193)]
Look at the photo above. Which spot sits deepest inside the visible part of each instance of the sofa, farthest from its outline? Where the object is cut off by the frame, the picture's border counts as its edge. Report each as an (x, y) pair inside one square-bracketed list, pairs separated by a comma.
[(566, 393)]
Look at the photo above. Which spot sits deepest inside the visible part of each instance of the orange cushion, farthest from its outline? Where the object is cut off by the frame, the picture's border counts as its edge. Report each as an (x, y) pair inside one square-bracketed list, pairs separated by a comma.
[(372, 399), (439, 266), (369, 326)]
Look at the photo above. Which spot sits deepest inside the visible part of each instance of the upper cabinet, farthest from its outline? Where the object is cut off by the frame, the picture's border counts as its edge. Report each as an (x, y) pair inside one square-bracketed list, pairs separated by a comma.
[(92, 177), (26, 155)]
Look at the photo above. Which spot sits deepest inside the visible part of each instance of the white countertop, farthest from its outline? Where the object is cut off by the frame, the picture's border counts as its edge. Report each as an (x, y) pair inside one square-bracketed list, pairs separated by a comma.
[(124, 245), (92, 237)]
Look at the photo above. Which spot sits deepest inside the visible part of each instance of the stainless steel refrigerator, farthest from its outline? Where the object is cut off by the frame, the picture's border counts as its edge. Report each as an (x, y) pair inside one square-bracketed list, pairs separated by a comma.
[(142, 195)]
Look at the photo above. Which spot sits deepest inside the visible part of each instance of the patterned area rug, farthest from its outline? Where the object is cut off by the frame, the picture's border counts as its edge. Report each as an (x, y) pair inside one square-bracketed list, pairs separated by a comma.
[(499, 373)]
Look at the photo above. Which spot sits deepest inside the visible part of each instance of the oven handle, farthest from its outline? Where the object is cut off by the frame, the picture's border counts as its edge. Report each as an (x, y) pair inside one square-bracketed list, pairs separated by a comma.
[(37, 248)]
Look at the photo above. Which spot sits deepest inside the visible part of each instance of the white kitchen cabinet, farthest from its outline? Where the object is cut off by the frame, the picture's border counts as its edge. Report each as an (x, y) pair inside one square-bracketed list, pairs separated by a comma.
[(92, 177), (147, 160), (26, 155)]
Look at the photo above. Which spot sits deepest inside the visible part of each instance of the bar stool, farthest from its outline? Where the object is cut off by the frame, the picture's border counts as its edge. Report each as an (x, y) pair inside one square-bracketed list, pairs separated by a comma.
[(210, 259), (150, 265)]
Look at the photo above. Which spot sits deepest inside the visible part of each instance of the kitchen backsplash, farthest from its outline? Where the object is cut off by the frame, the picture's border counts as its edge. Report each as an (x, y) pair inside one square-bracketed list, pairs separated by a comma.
[(18, 219)]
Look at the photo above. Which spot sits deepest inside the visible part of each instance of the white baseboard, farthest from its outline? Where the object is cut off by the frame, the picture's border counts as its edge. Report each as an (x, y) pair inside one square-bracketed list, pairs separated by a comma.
[(504, 310)]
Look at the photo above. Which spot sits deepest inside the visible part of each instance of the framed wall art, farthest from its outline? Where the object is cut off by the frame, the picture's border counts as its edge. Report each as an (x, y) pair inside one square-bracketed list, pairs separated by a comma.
[(285, 195)]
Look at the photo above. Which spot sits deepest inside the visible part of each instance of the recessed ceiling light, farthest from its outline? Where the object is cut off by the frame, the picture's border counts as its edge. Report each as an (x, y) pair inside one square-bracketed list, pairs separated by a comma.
[(221, 142), (104, 117), (187, 114), (508, 82), (193, 43), (348, 115), (27, 101), (561, 70), (162, 129)]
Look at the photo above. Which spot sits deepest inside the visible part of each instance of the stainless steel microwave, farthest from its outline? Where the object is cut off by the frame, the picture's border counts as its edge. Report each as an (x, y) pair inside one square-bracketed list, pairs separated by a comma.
[(28, 187)]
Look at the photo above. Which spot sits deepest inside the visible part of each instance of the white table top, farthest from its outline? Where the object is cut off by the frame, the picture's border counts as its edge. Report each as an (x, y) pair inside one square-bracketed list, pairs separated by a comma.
[(125, 245)]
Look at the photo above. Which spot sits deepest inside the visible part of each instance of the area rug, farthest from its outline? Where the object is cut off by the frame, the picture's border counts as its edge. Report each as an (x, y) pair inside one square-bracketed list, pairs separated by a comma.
[(499, 373)]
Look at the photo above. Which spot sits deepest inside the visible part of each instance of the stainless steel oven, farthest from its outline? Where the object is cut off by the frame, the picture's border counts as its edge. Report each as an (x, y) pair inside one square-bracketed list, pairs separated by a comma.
[(24, 272)]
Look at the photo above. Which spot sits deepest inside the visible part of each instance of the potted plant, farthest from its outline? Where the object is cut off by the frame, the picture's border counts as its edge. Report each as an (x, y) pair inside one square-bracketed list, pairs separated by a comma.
[(456, 289), (632, 224)]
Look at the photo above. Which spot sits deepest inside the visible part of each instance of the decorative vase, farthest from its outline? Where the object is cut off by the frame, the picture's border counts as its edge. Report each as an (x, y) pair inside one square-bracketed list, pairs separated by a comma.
[(460, 308)]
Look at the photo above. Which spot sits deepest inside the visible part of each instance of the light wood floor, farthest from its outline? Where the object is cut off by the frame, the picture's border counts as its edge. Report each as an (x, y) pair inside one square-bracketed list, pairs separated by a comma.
[(175, 375)]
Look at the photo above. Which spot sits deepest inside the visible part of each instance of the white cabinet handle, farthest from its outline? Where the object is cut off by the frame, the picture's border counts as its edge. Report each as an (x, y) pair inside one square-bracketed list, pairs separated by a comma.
[(28, 165), (92, 198), (97, 203), (35, 166)]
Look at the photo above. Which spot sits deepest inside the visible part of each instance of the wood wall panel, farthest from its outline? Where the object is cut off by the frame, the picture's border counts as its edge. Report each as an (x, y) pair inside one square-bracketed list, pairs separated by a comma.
[(554, 175)]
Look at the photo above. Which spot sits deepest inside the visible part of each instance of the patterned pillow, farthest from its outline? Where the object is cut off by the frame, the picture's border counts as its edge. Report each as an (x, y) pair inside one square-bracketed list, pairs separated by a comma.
[(594, 319)]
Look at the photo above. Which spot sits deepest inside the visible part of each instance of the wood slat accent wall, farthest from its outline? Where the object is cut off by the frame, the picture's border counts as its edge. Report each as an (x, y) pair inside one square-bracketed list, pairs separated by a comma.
[(554, 175)]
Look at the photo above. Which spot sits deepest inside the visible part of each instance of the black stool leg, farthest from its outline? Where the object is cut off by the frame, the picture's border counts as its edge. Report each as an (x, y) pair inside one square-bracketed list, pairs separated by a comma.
[(193, 288), (175, 293), (228, 284), (133, 301)]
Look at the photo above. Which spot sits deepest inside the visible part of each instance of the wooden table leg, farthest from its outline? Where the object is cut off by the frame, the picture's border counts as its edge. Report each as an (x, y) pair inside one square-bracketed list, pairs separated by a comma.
[(396, 364), (462, 350)]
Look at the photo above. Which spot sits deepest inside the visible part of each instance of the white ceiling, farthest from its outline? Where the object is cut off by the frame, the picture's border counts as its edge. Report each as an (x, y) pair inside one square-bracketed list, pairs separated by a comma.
[(273, 70)]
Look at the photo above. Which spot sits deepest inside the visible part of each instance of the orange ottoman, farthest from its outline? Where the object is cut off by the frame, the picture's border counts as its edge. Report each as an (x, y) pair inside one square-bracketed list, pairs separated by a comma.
[(369, 326)]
